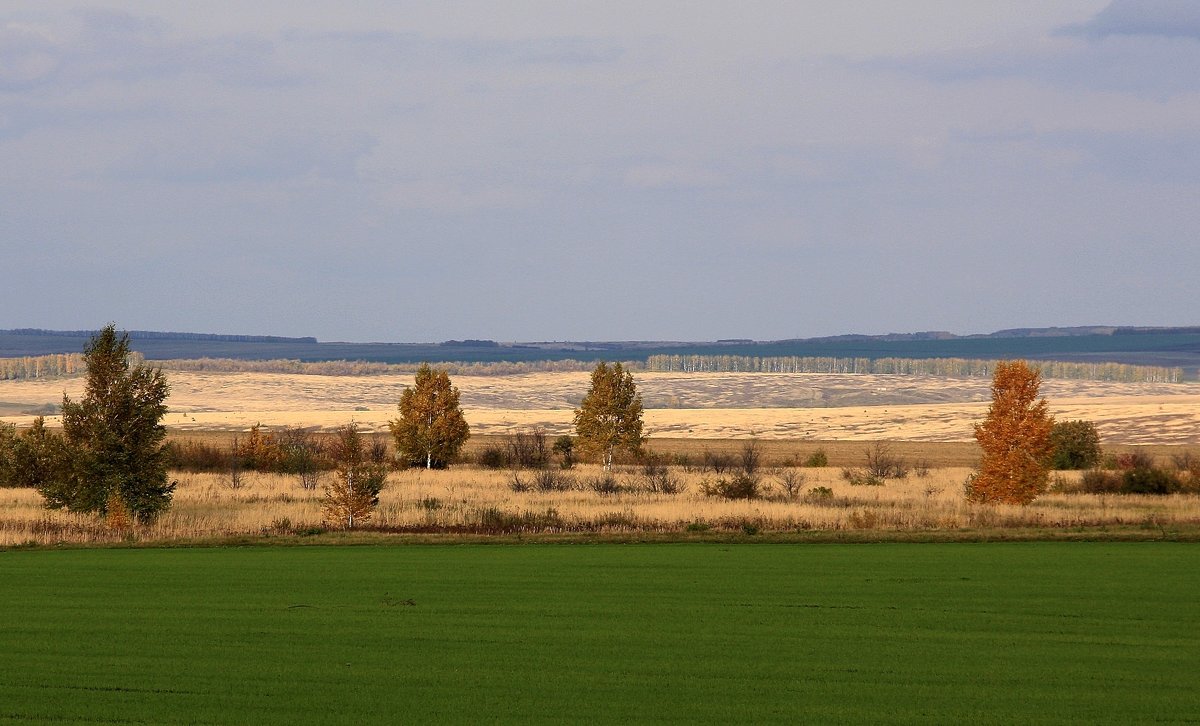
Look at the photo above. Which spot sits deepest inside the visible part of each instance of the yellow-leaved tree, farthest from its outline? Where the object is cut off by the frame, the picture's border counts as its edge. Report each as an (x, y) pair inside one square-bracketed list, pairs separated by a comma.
[(610, 416), (431, 429), (1015, 438)]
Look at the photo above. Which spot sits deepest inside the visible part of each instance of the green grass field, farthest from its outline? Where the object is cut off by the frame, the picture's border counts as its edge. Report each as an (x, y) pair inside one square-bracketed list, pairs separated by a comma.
[(962, 633)]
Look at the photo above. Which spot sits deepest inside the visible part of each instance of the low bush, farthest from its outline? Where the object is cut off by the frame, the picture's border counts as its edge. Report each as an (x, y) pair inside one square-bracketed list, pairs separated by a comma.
[(817, 459), (196, 456), (737, 486), (1144, 479), (790, 482), (860, 477), (881, 463), (605, 483), (657, 477), (527, 449), (492, 457), (1150, 480), (1076, 445)]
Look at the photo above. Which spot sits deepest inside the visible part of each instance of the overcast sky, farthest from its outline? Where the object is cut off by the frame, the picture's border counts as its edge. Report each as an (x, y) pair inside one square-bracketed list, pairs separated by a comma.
[(525, 170)]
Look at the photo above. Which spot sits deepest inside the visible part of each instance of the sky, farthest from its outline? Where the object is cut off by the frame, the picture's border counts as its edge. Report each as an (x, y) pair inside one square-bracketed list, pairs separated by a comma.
[(616, 170)]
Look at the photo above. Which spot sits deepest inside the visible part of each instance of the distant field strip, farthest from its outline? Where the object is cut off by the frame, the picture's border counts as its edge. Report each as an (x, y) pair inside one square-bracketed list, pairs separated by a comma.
[(999, 633), (700, 405)]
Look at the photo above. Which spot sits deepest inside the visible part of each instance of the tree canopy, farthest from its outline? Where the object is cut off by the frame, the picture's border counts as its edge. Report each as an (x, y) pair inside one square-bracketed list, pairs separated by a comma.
[(113, 455), (1015, 439), (609, 419), (431, 429)]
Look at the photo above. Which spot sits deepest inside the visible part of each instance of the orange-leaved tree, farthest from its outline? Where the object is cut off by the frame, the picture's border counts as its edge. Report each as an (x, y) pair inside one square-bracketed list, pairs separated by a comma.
[(354, 492), (1015, 438)]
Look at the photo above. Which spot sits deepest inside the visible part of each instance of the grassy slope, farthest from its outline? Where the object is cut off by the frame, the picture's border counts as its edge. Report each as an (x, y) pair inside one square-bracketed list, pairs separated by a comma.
[(916, 633)]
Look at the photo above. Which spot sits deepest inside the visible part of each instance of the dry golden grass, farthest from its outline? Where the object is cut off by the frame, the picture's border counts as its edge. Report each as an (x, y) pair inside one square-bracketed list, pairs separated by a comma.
[(699, 405), (466, 500)]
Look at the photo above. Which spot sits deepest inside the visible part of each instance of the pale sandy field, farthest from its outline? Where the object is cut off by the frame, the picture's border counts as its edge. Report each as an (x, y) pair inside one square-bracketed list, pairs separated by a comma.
[(700, 405)]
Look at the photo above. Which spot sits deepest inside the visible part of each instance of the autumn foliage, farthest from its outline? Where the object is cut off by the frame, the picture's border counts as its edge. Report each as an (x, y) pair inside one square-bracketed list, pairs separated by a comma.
[(431, 429), (353, 493), (1015, 439), (610, 416)]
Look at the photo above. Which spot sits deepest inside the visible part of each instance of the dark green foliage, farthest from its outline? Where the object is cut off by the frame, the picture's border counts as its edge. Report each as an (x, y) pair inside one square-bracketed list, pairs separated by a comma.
[(493, 457), (32, 458), (1076, 445), (1151, 480), (113, 438), (564, 447)]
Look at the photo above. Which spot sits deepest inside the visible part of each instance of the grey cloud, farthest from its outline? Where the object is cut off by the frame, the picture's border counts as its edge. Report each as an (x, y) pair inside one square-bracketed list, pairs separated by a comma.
[(26, 57), (116, 46), (1127, 64), (560, 51), (1165, 18), (261, 158)]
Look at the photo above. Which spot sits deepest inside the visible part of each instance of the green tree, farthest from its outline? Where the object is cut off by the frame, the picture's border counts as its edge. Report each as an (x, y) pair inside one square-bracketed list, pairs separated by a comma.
[(610, 416), (114, 455), (354, 492), (30, 459), (1015, 438), (1076, 445), (431, 429)]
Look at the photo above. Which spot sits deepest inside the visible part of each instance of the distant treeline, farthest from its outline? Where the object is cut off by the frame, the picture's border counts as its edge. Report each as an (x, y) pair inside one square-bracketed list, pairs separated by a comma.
[(949, 367), (368, 368), (47, 366), (160, 335), (68, 364)]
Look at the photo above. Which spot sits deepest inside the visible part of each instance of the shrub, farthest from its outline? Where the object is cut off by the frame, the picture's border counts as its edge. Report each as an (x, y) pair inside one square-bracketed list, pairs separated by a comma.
[(717, 463), (493, 457), (817, 459), (1133, 460), (1150, 480), (737, 486), (548, 480), (606, 483), (1075, 444), (196, 456), (819, 495), (859, 477), (883, 464), (527, 449), (1099, 481), (657, 477), (564, 446), (790, 482)]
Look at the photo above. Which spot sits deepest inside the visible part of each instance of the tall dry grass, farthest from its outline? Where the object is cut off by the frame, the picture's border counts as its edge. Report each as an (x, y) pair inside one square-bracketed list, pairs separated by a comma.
[(479, 501)]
